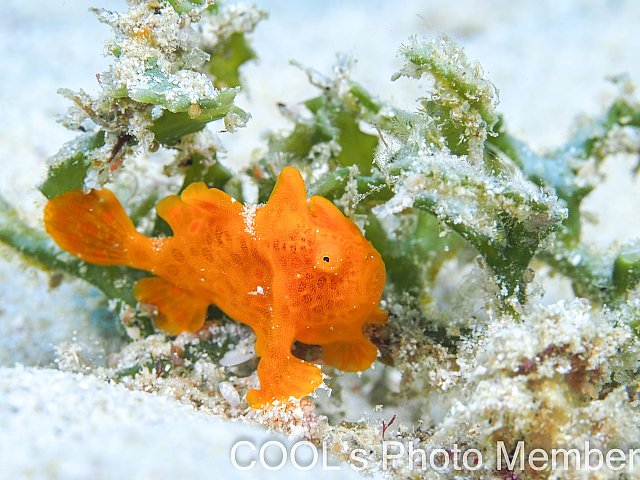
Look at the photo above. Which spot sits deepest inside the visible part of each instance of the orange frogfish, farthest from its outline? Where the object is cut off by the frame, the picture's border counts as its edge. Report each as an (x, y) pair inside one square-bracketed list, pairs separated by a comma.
[(292, 269)]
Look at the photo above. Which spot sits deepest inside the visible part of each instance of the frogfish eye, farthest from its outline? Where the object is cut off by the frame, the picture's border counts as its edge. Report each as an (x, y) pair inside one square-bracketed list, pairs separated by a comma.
[(328, 258)]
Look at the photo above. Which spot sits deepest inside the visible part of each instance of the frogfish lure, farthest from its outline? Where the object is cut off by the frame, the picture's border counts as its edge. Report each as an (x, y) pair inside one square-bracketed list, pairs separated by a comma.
[(292, 269)]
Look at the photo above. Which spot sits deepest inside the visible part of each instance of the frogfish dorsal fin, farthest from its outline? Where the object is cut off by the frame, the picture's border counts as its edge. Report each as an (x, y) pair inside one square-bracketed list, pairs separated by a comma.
[(289, 194), (180, 216), (210, 200)]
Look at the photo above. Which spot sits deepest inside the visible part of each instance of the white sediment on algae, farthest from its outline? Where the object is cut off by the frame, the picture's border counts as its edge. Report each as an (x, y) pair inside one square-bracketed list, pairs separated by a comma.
[(58, 425)]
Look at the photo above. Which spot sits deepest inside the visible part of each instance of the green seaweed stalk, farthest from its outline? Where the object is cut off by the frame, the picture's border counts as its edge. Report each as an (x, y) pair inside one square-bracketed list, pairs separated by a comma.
[(603, 276), (153, 95)]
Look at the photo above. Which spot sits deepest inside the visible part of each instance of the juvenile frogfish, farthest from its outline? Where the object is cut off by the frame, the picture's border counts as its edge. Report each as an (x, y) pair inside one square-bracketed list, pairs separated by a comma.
[(292, 269)]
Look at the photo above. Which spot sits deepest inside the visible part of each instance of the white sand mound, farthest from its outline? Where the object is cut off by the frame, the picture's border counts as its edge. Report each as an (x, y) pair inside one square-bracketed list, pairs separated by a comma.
[(58, 425)]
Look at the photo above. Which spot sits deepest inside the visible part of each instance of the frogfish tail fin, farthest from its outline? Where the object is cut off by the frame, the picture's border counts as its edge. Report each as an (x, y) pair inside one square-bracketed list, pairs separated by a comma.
[(94, 227)]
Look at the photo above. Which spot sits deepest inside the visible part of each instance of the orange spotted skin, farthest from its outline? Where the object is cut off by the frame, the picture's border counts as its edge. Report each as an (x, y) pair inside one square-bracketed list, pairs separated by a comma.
[(293, 269)]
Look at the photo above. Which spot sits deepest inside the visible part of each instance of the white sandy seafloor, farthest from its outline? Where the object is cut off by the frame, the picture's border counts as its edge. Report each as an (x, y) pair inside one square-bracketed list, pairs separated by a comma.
[(70, 426), (548, 58)]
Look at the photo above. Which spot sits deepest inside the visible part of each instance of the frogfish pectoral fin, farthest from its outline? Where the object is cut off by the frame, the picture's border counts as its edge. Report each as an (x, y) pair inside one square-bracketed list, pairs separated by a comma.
[(377, 317), (281, 374), (174, 309), (280, 380), (353, 355)]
